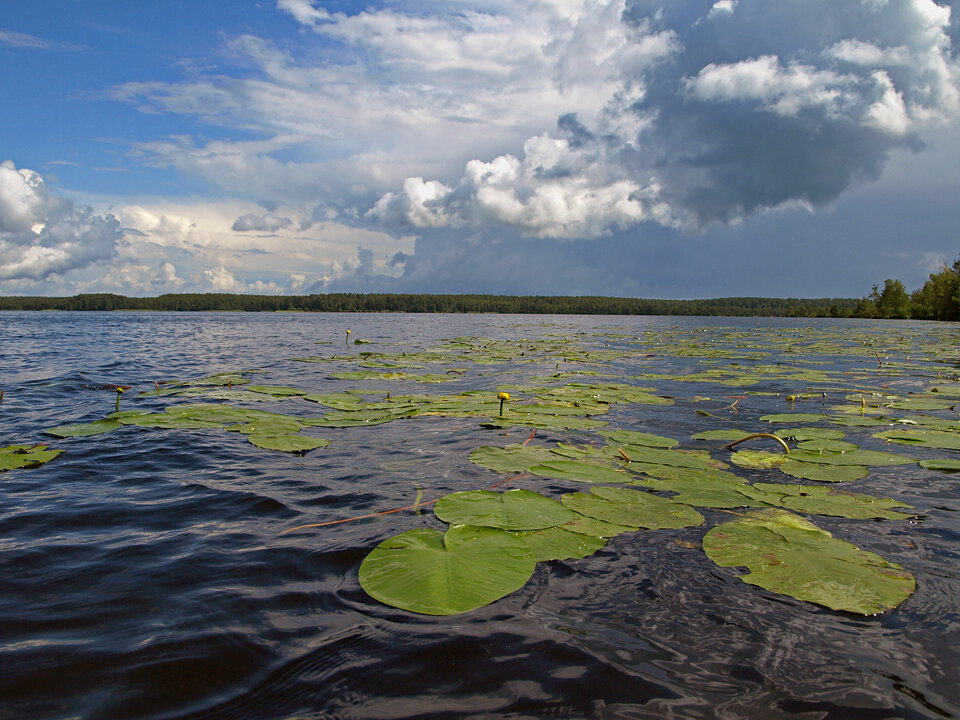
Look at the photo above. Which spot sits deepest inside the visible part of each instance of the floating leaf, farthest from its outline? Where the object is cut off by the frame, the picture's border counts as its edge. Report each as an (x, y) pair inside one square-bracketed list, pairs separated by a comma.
[(632, 508), (275, 390), (580, 471), (723, 435), (857, 421), (696, 459), (757, 459), (823, 473), (595, 528), (170, 421), (511, 510), (948, 465), (362, 417), (922, 404), (791, 556), (551, 422), (819, 500), (267, 426), (856, 457), (97, 427), (433, 573), (632, 437), (793, 417), (802, 434), (512, 458), (287, 443), (925, 438), (824, 445), (556, 543), (14, 457)]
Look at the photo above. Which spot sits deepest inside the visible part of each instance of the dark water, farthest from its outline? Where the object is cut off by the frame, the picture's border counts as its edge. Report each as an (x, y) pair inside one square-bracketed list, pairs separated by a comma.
[(143, 576)]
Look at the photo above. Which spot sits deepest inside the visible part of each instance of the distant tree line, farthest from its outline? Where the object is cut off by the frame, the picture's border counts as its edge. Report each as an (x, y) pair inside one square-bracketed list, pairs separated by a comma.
[(938, 299), (413, 303)]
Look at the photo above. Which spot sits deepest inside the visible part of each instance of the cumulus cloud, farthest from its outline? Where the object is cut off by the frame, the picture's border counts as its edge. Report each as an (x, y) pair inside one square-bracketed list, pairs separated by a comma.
[(43, 234), (717, 130), (549, 119), (267, 222)]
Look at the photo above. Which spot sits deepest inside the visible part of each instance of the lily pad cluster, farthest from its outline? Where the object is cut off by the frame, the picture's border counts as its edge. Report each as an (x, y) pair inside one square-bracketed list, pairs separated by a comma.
[(496, 539), (748, 383)]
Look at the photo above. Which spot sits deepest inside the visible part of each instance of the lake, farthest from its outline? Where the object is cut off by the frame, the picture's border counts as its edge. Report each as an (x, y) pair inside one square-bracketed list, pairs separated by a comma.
[(144, 573)]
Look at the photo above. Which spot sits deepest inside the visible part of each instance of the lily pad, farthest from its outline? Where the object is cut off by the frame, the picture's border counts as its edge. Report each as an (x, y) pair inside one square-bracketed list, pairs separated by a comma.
[(14, 457), (941, 439), (695, 459), (632, 508), (802, 434), (579, 471), (827, 445), (557, 543), (947, 465), (97, 427), (793, 417), (169, 421), (856, 457), (757, 459), (789, 555), (512, 458), (433, 573), (287, 443), (823, 473), (511, 510), (819, 500), (595, 528), (632, 437), (724, 435)]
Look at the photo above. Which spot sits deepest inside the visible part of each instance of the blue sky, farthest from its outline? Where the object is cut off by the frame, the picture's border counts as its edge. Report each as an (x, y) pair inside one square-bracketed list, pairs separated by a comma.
[(649, 148)]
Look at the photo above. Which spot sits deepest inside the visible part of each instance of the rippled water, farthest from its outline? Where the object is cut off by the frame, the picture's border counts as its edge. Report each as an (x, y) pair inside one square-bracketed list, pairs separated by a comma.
[(143, 575)]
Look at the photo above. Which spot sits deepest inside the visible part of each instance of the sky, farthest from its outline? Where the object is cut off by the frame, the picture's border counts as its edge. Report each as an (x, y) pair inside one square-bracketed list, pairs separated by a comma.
[(637, 148)]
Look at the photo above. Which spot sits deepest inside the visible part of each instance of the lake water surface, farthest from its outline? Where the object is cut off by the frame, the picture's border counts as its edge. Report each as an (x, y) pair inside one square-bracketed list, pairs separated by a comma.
[(143, 572)]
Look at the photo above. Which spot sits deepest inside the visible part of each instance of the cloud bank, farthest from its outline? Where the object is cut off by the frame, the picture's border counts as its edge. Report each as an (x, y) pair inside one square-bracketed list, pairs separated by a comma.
[(404, 146), (570, 119)]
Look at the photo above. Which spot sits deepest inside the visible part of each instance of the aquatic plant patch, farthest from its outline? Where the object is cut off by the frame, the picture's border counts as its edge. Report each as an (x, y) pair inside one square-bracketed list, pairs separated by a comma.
[(787, 554)]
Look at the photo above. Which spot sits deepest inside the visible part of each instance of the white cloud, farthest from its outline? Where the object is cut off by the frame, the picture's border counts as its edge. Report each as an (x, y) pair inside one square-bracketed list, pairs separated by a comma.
[(42, 234), (303, 11), (722, 7), (562, 119), (785, 91), (266, 222)]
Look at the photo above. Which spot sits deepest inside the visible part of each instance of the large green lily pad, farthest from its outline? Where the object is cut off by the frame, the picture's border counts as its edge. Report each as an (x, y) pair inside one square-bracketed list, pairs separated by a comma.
[(511, 510), (819, 500), (633, 437), (557, 543), (789, 555), (580, 471), (97, 427), (632, 508), (823, 473), (940, 439), (291, 443), (512, 458), (757, 459), (855, 457), (433, 573)]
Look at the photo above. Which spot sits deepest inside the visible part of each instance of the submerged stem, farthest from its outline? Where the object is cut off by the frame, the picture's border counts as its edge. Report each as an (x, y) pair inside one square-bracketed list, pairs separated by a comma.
[(786, 448)]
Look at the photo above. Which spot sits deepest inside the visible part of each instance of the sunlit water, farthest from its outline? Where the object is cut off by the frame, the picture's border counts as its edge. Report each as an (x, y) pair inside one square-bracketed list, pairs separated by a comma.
[(143, 576)]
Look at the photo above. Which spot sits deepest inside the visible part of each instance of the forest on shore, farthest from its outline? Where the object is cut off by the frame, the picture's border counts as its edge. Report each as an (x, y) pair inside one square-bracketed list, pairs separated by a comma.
[(938, 299), (422, 303)]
